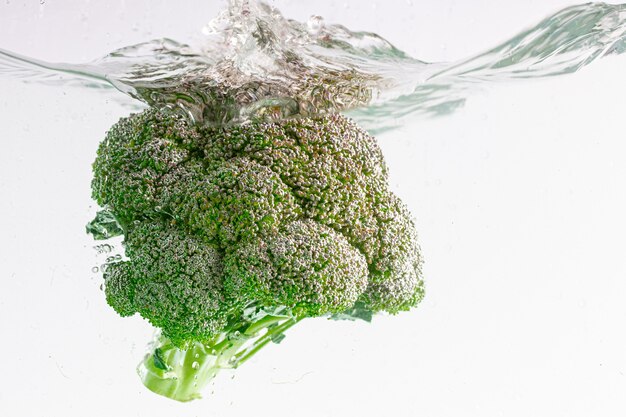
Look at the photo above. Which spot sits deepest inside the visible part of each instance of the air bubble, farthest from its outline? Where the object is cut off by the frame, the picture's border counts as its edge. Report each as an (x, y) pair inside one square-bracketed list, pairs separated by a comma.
[(315, 24), (105, 248)]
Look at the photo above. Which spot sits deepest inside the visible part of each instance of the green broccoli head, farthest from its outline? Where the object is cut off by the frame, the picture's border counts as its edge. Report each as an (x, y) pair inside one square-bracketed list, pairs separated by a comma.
[(292, 215)]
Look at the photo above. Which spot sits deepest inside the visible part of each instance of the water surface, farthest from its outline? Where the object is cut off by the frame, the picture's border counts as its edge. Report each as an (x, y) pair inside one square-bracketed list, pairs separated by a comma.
[(254, 63)]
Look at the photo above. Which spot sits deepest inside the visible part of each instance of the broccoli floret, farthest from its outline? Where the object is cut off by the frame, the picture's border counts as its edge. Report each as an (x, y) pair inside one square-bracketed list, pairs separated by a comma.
[(306, 264), (173, 279), (235, 233)]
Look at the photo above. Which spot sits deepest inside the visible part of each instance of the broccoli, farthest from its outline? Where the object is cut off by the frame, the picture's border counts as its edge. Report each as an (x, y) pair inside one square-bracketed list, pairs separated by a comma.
[(233, 234)]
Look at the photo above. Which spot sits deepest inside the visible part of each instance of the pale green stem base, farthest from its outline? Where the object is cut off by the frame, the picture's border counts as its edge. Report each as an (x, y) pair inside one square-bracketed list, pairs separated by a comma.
[(182, 374)]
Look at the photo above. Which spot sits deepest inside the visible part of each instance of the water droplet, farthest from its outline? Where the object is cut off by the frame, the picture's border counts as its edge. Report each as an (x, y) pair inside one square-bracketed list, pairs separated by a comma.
[(95, 269), (197, 355), (195, 365), (118, 257)]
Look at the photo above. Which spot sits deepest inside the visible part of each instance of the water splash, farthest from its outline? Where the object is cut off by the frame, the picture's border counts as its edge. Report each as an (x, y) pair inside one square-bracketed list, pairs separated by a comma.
[(252, 63), (560, 44)]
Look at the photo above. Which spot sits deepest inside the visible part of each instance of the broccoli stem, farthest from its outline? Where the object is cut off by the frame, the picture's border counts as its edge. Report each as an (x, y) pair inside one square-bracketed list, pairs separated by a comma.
[(182, 374)]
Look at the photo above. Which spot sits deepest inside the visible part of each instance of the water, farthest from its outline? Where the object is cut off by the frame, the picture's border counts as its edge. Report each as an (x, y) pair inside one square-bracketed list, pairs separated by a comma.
[(519, 199), (255, 63)]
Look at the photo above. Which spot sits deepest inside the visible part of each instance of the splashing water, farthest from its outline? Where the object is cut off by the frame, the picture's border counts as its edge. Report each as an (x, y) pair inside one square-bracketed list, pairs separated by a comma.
[(253, 63)]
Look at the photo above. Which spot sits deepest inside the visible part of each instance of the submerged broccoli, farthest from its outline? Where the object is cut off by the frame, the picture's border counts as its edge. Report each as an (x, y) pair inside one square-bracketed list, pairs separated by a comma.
[(234, 234)]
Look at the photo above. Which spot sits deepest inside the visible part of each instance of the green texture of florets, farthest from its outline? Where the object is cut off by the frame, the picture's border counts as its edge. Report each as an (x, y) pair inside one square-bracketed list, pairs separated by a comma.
[(306, 264), (172, 278), (294, 213)]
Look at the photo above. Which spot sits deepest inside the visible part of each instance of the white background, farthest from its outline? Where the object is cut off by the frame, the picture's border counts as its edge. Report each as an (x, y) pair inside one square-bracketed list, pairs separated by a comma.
[(519, 200)]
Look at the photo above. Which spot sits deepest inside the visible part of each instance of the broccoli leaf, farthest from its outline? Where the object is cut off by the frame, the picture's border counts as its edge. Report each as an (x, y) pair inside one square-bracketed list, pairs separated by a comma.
[(159, 362), (104, 226), (357, 312)]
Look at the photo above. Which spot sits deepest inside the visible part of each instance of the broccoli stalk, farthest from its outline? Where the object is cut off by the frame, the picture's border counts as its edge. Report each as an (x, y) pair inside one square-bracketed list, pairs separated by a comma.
[(182, 373)]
